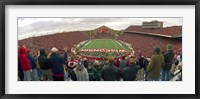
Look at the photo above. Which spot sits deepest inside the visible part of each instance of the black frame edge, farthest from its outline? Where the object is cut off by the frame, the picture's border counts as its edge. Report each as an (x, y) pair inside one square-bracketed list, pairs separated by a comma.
[(2, 51), (197, 47)]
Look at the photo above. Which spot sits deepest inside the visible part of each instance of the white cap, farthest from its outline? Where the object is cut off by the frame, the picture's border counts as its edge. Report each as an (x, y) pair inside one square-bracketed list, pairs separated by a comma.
[(54, 49)]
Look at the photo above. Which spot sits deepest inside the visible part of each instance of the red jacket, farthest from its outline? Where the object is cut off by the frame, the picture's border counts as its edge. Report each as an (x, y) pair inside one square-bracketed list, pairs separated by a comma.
[(117, 63), (23, 59)]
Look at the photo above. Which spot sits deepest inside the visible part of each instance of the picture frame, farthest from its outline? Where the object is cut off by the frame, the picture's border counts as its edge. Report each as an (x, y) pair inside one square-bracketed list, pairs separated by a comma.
[(99, 2)]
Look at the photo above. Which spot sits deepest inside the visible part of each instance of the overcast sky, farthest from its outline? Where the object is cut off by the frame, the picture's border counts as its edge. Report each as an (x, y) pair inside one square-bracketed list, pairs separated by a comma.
[(28, 27)]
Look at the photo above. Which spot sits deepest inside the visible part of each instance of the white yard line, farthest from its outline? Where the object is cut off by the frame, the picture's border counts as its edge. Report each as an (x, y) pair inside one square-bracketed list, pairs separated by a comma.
[(120, 44), (115, 44), (92, 43), (86, 44)]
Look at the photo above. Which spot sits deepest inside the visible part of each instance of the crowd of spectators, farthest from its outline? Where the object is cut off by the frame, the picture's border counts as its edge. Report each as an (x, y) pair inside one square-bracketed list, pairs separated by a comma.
[(59, 66), (44, 58), (145, 43), (164, 31), (58, 40)]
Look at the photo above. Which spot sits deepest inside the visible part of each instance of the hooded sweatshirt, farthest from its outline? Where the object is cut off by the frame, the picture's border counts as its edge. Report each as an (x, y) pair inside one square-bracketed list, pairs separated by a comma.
[(81, 75), (43, 60), (23, 59)]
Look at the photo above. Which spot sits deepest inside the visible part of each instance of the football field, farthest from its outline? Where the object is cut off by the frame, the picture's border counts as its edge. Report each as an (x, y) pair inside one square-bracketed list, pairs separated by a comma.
[(104, 44)]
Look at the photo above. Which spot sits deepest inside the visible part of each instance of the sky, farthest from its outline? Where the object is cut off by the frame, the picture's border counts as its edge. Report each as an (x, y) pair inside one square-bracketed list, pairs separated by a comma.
[(29, 27)]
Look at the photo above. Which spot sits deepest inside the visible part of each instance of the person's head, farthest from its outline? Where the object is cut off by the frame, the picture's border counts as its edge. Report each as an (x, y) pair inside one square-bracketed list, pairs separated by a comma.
[(54, 50), (111, 59), (42, 52), (80, 66), (84, 59), (34, 53), (90, 66), (156, 50), (22, 50), (24, 46), (132, 60), (169, 47), (123, 57), (95, 63)]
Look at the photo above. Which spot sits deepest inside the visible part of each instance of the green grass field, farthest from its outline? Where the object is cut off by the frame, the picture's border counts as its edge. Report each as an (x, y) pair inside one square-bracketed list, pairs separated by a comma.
[(104, 44)]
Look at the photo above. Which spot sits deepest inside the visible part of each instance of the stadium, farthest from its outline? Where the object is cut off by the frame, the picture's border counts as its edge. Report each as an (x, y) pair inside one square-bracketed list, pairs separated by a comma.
[(134, 47), (95, 44)]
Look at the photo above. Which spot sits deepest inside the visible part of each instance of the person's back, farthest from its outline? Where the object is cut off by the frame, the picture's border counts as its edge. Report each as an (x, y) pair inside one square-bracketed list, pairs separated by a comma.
[(23, 59), (117, 63), (168, 59), (141, 62), (25, 64), (57, 64), (85, 63), (169, 55), (43, 60), (34, 74), (129, 73), (154, 68), (110, 73), (44, 66), (32, 61), (122, 63)]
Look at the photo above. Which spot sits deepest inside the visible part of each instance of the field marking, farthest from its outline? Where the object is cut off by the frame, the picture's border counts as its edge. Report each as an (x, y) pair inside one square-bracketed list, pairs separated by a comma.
[(86, 44), (116, 46), (100, 44), (121, 45), (92, 43)]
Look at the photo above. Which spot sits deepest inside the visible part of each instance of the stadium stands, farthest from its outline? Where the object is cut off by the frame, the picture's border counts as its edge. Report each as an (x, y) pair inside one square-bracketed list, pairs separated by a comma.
[(168, 31), (135, 35), (146, 43), (58, 40)]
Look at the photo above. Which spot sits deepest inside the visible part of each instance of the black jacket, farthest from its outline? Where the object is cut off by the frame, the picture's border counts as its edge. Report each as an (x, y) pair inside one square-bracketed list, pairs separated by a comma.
[(85, 63), (168, 59), (56, 62), (129, 73), (110, 73), (43, 60), (141, 62)]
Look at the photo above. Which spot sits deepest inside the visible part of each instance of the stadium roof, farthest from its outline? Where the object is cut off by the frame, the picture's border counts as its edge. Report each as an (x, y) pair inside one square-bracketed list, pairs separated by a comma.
[(173, 31)]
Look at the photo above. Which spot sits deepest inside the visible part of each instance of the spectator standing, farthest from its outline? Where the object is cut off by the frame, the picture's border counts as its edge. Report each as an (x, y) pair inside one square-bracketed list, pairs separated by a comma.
[(20, 71), (117, 63), (34, 75), (57, 63), (140, 62), (93, 74), (129, 73), (39, 73), (85, 63), (25, 64), (96, 65), (110, 72), (81, 72), (168, 59), (122, 63), (45, 67), (155, 65)]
